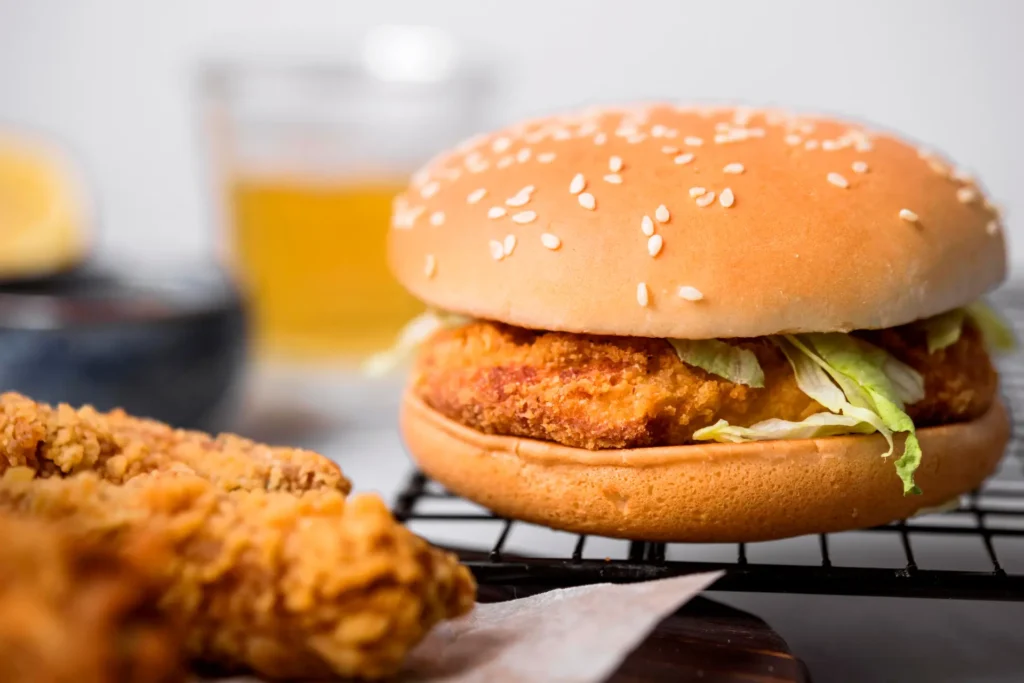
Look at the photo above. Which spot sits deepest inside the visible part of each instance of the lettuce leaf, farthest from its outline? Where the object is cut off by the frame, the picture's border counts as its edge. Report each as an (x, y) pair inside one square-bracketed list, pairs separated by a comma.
[(999, 335), (729, 362), (415, 332), (944, 329), (865, 365), (819, 424)]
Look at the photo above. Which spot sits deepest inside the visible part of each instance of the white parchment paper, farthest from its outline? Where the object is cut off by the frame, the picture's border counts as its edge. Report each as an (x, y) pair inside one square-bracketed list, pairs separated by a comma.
[(571, 635)]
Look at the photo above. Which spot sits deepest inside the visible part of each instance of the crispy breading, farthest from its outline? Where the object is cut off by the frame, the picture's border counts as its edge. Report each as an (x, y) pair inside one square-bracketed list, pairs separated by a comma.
[(64, 440), (76, 610), (286, 584), (601, 392)]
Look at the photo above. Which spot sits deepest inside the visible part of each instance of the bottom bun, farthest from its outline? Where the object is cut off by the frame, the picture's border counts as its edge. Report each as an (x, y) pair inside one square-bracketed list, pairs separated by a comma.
[(707, 493)]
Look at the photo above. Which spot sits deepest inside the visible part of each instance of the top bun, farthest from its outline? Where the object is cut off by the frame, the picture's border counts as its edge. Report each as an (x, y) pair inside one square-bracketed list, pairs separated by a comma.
[(595, 222)]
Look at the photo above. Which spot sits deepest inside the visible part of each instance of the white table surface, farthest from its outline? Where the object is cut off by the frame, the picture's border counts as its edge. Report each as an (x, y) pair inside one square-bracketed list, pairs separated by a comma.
[(842, 639)]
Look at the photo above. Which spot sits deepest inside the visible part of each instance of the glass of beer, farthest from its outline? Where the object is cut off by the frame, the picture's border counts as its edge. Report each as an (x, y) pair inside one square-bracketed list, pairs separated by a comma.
[(308, 156)]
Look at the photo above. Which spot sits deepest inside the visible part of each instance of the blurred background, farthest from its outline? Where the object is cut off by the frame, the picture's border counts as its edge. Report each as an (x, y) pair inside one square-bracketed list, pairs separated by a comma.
[(195, 195)]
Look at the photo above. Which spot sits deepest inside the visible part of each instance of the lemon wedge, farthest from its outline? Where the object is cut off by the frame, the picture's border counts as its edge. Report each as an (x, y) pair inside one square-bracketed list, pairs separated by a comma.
[(43, 209)]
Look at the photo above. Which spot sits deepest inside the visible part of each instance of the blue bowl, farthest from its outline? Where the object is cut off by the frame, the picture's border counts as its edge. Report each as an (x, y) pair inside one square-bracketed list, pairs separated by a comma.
[(171, 347)]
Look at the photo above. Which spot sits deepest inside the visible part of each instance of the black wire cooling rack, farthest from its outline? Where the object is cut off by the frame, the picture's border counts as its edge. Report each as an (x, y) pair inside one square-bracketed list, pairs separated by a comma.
[(973, 552)]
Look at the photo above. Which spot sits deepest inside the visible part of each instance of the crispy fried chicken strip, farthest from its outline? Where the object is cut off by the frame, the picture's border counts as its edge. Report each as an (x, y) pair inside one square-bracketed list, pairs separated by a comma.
[(76, 610), (63, 440), (288, 585)]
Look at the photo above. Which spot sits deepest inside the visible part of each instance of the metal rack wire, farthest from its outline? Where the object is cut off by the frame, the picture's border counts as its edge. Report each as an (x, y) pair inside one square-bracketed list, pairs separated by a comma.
[(993, 515)]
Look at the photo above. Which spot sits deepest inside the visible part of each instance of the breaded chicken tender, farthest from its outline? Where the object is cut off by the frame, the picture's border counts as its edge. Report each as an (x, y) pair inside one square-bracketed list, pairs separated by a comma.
[(63, 440), (82, 610), (601, 392), (289, 585)]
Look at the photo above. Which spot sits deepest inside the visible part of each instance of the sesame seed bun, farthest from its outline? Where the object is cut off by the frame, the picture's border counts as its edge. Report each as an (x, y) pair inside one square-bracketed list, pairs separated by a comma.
[(706, 492), (660, 221)]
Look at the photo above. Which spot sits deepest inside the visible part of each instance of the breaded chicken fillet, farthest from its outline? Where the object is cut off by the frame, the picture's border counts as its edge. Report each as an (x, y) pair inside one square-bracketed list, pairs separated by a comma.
[(601, 392), (286, 585), (62, 440), (82, 610)]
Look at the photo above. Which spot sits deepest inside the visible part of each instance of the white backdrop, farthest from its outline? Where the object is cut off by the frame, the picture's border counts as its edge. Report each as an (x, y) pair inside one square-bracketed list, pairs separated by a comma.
[(113, 78)]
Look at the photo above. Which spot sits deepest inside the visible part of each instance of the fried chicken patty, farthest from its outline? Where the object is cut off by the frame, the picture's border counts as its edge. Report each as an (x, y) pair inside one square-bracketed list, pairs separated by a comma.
[(601, 392)]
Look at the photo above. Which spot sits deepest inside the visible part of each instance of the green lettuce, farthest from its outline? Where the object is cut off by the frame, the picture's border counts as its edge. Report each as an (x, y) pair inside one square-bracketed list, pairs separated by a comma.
[(998, 334), (415, 332), (819, 424), (944, 329), (729, 362)]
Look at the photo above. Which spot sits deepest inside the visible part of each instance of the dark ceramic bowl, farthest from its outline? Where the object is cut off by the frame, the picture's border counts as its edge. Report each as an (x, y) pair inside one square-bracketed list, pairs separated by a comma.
[(170, 347)]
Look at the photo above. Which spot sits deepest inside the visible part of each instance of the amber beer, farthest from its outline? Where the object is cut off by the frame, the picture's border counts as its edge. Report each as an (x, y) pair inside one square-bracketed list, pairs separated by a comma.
[(310, 252)]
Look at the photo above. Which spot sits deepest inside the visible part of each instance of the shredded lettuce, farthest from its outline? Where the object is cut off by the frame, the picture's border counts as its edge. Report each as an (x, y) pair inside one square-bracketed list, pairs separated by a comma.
[(998, 334), (819, 424), (719, 358), (944, 329), (867, 366), (415, 332)]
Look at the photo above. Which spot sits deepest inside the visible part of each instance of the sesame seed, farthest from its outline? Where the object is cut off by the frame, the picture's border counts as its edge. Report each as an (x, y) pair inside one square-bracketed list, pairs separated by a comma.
[(562, 134), (476, 195), (938, 167), (908, 215), (658, 130), (600, 139), (793, 139), (734, 167), (838, 180), (727, 198), (859, 167), (477, 166), (497, 250), (963, 176), (517, 200), (671, 133), (706, 199), (429, 265), (669, 149), (811, 144), (523, 155), (577, 184), (546, 157), (496, 212), (524, 217), (693, 141), (654, 244), (437, 218), (696, 192), (587, 201), (634, 139), (690, 293), (683, 159), (615, 164), (992, 227), (642, 296), (613, 178), (550, 241), (829, 145), (966, 195), (756, 132), (501, 144), (661, 214), (505, 162), (863, 146), (722, 126), (647, 226), (509, 245), (721, 138), (430, 189)]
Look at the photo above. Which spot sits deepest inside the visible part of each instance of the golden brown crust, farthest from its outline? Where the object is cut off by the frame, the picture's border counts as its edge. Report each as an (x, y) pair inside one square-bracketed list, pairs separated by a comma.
[(65, 440), (795, 252), (627, 392), (288, 585), (706, 492), (76, 610)]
